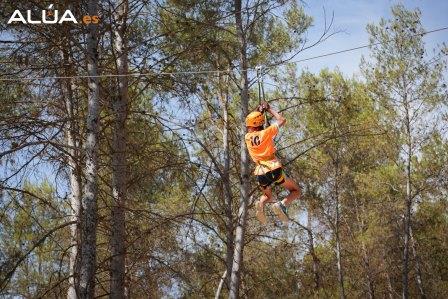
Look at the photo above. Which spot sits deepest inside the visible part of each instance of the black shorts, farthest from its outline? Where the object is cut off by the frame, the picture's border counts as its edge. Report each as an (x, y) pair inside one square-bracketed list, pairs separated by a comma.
[(275, 176)]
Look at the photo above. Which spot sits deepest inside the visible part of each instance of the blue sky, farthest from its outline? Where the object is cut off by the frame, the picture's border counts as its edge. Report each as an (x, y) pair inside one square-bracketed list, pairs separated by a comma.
[(352, 16)]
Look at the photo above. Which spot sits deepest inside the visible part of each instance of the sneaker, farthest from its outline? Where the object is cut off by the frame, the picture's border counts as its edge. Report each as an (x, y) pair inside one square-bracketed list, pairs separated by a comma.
[(260, 213), (281, 212)]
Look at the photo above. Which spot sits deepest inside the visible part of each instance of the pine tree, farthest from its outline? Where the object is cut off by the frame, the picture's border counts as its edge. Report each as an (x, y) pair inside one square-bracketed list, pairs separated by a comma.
[(407, 84)]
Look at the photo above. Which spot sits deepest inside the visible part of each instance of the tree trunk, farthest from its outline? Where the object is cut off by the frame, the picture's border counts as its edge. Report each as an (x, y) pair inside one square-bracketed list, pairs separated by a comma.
[(418, 269), (408, 203), (338, 243), (75, 204), (313, 253), (390, 289), (370, 287), (89, 200), (75, 178), (365, 254), (407, 217), (339, 266), (227, 188), (221, 283), (119, 162), (244, 187)]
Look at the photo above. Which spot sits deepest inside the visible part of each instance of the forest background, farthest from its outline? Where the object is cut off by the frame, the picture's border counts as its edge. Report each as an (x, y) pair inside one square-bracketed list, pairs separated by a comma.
[(123, 171)]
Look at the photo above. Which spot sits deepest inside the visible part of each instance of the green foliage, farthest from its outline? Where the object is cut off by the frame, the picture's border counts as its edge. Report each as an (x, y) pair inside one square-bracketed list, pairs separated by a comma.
[(344, 142), (26, 217)]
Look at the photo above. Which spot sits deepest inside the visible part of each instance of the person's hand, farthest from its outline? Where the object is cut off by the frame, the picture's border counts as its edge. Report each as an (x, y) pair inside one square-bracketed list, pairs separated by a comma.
[(263, 107)]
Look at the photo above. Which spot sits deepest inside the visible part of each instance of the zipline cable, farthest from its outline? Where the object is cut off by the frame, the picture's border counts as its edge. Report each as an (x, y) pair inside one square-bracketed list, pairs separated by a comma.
[(10, 79)]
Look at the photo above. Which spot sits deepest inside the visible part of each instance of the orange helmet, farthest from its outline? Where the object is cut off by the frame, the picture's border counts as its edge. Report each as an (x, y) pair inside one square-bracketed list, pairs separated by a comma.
[(254, 119)]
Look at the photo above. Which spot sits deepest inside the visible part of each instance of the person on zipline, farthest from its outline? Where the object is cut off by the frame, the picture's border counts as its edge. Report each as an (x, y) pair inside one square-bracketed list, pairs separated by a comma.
[(261, 147)]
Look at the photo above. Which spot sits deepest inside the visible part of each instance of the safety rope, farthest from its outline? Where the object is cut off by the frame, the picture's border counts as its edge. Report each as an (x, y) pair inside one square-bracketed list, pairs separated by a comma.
[(261, 94)]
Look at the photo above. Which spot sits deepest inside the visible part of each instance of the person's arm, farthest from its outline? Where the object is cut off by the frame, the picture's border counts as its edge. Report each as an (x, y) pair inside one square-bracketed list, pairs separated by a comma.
[(278, 117)]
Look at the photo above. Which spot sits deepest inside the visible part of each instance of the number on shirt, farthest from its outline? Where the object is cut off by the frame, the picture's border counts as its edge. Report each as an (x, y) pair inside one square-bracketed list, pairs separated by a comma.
[(255, 140)]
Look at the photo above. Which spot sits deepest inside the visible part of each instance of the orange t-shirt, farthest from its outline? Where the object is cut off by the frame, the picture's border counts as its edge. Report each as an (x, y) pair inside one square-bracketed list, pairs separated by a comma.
[(261, 147)]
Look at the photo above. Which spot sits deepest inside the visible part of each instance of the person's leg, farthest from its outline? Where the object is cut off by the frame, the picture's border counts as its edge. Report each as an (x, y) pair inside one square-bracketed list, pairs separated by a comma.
[(279, 208), (294, 191), (267, 196), (264, 199)]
